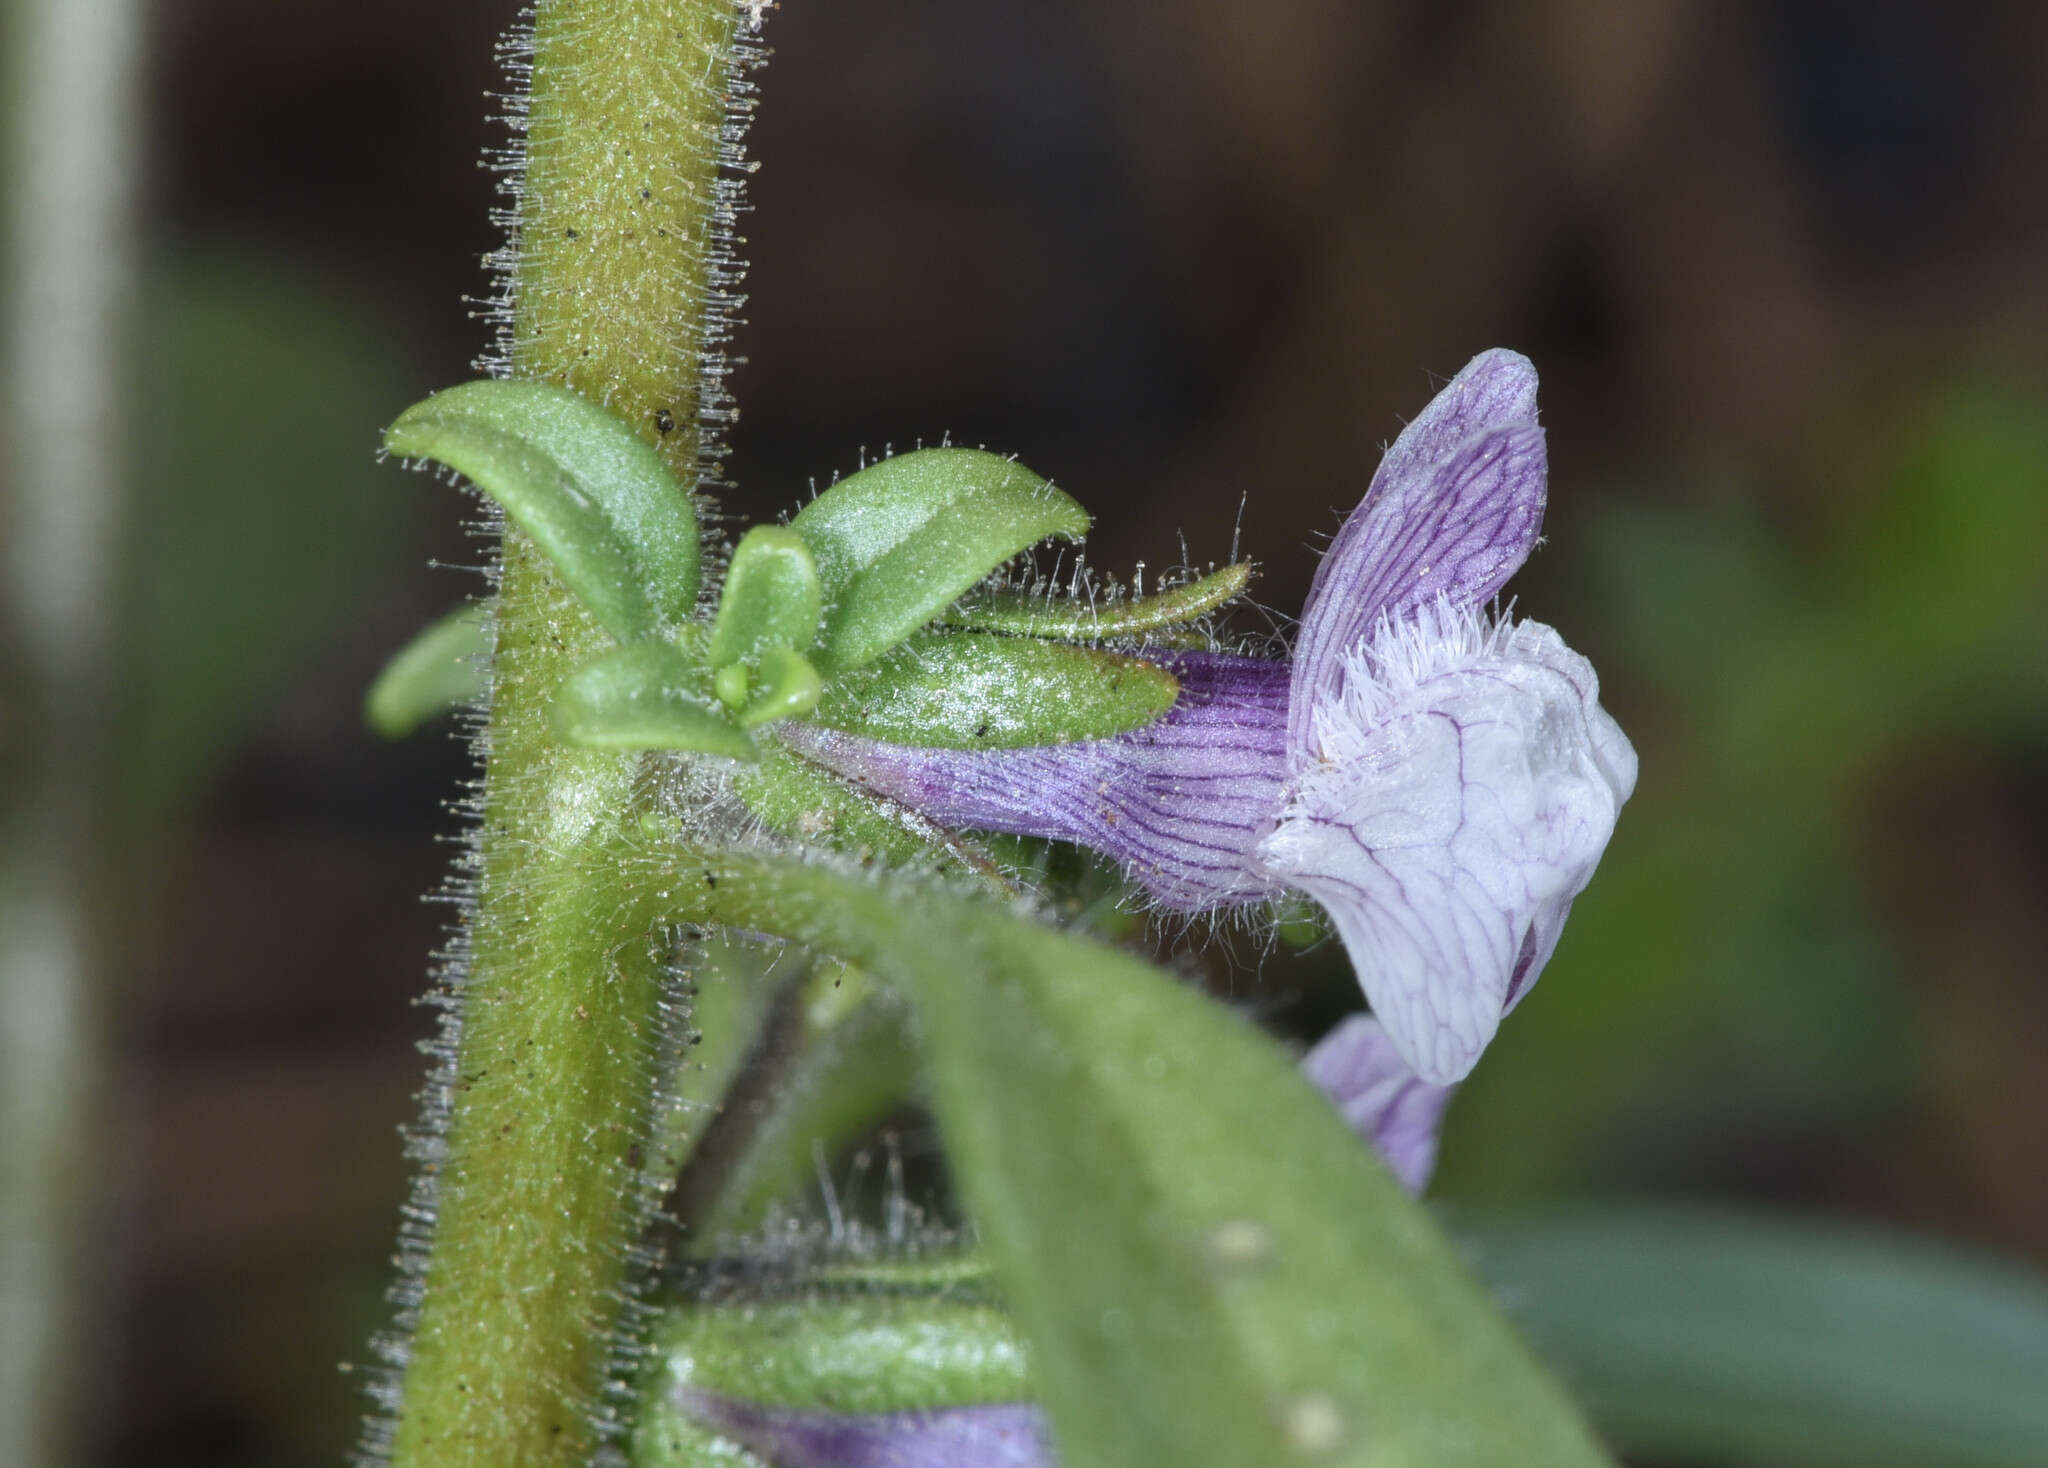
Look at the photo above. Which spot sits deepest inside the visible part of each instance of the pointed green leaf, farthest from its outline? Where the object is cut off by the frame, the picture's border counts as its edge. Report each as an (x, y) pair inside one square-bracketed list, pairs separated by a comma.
[(599, 501), (438, 670), (900, 541), (976, 691), (1026, 614), (646, 695), (772, 596), (1210, 1269)]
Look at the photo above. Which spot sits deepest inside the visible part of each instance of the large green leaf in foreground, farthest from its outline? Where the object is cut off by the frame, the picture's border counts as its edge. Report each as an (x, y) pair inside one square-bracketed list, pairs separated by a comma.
[(1211, 1270)]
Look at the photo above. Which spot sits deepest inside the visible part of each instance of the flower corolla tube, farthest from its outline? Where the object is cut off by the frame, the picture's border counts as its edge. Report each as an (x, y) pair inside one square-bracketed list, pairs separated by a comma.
[(1442, 780)]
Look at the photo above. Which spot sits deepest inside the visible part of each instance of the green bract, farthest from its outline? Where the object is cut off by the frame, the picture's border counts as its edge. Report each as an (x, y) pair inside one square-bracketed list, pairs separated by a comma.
[(440, 668), (617, 525), (868, 1340), (1028, 615), (976, 691), (646, 695), (872, 1339), (772, 596), (900, 541), (798, 798)]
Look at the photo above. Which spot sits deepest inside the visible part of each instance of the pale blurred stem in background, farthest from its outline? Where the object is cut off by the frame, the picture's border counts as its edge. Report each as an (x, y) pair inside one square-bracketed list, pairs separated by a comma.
[(71, 283), (542, 1189)]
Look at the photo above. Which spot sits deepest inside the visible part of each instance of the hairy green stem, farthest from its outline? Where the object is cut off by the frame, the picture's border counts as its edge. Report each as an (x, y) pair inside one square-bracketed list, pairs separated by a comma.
[(542, 1181)]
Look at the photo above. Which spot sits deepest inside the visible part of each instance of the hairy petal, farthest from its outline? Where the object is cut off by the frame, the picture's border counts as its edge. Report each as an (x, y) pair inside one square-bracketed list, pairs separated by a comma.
[(1452, 513), (1454, 800), (996, 1435), (1182, 802), (1386, 1103)]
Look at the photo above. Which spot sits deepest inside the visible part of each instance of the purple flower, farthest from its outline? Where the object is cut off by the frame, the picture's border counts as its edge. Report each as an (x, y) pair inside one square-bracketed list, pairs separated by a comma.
[(1442, 781)]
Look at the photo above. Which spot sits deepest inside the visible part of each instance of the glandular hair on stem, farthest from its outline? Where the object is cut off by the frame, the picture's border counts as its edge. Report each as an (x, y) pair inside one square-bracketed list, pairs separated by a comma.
[(426, 1139)]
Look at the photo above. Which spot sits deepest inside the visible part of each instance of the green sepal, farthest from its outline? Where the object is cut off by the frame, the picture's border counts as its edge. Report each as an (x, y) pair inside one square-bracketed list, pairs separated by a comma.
[(797, 798), (867, 1340), (646, 695), (599, 501), (440, 669), (977, 691), (900, 541), (1026, 614), (772, 596), (788, 686)]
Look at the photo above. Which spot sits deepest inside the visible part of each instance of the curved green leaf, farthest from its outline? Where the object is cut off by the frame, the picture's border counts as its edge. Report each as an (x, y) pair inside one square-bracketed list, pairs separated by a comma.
[(1026, 614), (620, 529), (978, 691), (438, 670), (772, 596), (900, 541), (1709, 1336), (1210, 1269), (646, 695), (788, 686)]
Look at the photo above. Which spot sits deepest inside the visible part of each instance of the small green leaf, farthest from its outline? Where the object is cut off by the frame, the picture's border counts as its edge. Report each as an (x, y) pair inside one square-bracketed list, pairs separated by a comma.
[(438, 670), (900, 541), (789, 686), (772, 596), (1025, 614), (977, 691), (620, 529), (646, 695)]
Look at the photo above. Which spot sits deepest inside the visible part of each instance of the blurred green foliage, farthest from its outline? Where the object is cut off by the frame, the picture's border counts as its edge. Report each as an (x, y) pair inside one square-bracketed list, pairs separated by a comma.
[(260, 518), (260, 523), (1711, 1336)]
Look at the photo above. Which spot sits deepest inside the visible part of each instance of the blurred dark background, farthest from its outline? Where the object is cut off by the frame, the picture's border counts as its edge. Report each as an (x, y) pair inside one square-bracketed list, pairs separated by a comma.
[(1781, 266)]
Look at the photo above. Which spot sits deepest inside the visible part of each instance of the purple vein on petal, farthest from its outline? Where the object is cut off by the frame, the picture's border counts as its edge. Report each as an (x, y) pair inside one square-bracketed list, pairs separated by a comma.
[(1453, 512)]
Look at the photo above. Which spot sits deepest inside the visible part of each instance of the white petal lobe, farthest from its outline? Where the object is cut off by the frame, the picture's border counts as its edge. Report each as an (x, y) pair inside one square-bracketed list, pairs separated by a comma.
[(1455, 798)]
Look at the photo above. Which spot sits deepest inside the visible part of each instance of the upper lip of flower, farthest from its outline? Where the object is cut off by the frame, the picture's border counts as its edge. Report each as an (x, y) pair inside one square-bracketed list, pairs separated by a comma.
[(1440, 782)]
